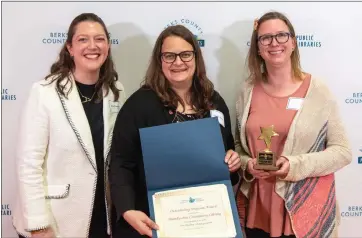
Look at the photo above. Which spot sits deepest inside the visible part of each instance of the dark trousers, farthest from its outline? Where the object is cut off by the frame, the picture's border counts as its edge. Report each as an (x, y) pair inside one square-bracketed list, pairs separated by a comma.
[(258, 233)]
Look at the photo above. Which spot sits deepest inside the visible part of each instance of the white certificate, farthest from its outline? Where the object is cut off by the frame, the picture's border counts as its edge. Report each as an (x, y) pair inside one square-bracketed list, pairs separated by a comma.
[(203, 211)]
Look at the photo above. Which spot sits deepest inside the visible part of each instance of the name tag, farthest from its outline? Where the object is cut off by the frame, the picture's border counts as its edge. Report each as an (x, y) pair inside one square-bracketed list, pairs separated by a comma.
[(219, 115), (295, 103), (114, 106)]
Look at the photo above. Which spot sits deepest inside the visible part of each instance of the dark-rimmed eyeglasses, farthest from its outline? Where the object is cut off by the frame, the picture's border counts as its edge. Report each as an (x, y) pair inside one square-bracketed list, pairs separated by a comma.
[(281, 38), (170, 57)]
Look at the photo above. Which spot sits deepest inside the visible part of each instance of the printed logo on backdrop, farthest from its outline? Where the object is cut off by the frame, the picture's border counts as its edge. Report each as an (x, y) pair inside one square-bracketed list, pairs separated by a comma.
[(61, 37), (352, 211), (359, 160), (308, 41), (5, 210), (6, 95), (355, 98), (305, 41), (192, 26)]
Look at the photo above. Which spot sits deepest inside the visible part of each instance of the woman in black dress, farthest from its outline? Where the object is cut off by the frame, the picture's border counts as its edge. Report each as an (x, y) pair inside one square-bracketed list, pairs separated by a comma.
[(176, 89)]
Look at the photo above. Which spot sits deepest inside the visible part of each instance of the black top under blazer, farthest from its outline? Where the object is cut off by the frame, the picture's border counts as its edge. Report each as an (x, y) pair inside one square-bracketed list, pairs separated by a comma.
[(126, 174)]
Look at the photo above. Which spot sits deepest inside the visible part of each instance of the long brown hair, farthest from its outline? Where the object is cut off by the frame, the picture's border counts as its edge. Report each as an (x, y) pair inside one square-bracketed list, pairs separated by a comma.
[(202, 88), (256, 64), (61, 69)]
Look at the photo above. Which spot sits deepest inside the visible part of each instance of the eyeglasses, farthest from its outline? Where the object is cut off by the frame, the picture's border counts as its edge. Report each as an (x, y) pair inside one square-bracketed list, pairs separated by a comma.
[(170, 57), (281, 38)]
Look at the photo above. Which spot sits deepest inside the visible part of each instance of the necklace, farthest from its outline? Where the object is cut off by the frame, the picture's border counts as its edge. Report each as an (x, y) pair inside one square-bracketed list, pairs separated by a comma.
[(181, 117), (86, 99)]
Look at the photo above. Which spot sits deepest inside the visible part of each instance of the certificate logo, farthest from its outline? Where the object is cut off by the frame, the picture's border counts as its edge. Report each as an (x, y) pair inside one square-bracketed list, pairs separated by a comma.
[(191, 200), (61, 37), (192, 26)]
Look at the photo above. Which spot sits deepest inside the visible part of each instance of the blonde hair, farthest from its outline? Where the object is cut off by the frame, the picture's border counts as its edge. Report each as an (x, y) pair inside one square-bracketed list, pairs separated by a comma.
[(256, 64)]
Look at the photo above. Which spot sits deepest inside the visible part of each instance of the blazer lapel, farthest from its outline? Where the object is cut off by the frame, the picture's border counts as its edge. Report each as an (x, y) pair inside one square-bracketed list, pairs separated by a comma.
[(77, 119), (110, 112)]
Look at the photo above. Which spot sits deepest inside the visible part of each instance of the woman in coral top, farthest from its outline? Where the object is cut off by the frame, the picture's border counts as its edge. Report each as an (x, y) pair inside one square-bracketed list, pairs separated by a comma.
[(297, 113)]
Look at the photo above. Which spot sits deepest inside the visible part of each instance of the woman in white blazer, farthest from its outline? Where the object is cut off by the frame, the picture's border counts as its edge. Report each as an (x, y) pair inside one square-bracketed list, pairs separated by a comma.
[(65, 137)]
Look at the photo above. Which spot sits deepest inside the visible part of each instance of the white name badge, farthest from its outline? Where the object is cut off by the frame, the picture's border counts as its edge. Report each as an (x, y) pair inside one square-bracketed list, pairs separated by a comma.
[(295, 103), (114, 106), (219, 115)]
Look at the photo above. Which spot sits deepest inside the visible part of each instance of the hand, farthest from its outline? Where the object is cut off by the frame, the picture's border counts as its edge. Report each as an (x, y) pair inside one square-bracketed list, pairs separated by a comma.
[(284, 165), (260, 174), (233, 160), (45, 233), (140, 222)]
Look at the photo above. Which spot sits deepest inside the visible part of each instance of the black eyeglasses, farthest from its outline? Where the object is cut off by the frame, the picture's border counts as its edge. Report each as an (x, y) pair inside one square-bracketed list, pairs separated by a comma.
[(170, 57), (281, 38)]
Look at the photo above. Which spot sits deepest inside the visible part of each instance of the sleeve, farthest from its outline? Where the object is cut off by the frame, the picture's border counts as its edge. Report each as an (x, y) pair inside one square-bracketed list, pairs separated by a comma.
[(336, 155), (244, 156), (123, 164), (242, 153), (31, 152)]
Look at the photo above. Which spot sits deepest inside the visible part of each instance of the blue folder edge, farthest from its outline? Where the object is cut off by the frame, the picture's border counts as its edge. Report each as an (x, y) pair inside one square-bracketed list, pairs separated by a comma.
[(239, 233), (198, 144)]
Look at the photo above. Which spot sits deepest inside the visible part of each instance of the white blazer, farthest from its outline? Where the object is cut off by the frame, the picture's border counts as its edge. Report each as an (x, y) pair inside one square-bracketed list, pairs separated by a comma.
[(56, 162)]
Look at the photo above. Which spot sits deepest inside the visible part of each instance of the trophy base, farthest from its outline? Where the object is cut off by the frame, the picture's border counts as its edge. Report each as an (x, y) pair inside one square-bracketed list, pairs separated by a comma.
[(266, 161)]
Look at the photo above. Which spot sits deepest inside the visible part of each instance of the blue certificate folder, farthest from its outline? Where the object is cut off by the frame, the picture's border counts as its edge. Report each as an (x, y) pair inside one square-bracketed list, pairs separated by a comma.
[(186, 154)]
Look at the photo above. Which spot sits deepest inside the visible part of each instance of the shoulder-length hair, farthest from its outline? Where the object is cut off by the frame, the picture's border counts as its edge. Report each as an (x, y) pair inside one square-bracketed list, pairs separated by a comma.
[(256, 64), (202, 88), (64, 66)]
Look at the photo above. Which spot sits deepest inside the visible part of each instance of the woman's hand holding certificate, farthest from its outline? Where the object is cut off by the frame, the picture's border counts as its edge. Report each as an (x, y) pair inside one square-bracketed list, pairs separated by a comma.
[(140, 222)]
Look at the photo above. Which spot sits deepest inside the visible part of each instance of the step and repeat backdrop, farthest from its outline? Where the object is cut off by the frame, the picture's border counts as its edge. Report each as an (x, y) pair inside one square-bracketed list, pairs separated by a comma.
[(329, 37)]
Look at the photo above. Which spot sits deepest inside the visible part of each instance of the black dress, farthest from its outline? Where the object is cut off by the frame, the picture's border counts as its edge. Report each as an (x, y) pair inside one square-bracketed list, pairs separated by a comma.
[(94, 113), (126, 174)]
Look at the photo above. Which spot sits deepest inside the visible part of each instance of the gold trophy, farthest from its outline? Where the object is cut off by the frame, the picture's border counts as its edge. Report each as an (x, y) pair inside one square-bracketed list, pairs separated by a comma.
[(266, 159)]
